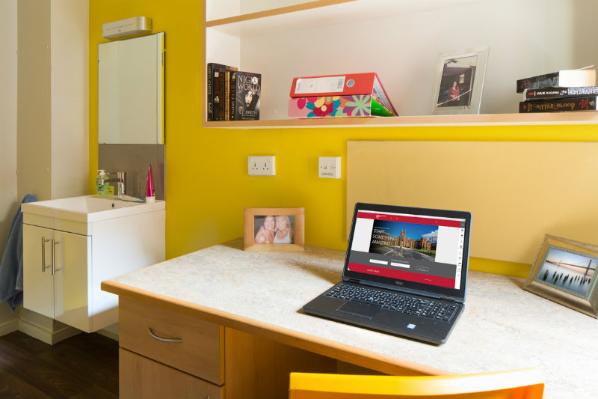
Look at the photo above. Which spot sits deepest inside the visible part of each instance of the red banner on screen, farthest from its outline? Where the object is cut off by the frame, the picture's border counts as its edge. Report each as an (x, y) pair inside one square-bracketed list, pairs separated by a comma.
[(409, 219), (403, 275)]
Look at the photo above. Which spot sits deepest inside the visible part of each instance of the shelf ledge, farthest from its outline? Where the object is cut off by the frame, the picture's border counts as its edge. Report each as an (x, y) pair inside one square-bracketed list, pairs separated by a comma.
[(564, 118)]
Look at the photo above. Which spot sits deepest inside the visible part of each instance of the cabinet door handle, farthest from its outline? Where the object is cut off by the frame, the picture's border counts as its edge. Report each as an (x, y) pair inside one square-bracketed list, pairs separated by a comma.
[(54, 244), (163, 339), (44, 241)]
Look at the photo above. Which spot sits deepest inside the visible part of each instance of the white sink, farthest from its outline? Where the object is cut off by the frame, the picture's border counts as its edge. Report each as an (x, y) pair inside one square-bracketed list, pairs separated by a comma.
[(89, 208)]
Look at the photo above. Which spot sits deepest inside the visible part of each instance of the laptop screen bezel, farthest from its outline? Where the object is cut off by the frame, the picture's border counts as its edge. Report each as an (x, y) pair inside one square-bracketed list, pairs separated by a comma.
[(457, 294)]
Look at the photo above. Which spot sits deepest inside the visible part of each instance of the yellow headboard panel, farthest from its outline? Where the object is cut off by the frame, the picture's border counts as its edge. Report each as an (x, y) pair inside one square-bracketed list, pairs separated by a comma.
[(516, 191)]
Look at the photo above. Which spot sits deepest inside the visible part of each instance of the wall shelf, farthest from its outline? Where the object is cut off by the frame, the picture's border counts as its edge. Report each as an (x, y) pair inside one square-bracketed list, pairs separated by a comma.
[(564, 118), (401, 40)]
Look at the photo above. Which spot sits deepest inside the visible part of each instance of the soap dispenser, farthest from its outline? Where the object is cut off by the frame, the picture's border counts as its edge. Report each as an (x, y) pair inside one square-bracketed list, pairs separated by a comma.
[(101, 178)]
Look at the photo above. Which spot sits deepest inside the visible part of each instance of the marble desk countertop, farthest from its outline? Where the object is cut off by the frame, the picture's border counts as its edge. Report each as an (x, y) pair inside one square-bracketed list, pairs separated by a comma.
[(503, 327)]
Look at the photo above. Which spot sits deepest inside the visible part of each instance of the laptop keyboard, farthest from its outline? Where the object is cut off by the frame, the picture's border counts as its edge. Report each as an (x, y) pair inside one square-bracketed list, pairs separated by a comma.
[(396, 302)]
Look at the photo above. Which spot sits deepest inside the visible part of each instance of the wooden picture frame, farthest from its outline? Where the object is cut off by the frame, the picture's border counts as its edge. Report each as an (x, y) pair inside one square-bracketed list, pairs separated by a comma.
[(565, 272), (274, 229)]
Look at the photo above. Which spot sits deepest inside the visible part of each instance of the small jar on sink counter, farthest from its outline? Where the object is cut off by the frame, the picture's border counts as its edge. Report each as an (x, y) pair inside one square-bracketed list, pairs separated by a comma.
[(101, 184)]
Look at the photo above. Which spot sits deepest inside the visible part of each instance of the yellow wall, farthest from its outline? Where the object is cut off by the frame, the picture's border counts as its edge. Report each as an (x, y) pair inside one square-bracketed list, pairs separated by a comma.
[(204, 205)]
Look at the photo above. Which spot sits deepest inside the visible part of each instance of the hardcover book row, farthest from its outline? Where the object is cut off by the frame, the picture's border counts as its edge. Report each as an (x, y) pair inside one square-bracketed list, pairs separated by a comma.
[(233, 94)]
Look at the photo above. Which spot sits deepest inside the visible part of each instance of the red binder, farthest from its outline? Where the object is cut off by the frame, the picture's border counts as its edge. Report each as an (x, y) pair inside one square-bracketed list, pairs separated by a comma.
[(341, 85)]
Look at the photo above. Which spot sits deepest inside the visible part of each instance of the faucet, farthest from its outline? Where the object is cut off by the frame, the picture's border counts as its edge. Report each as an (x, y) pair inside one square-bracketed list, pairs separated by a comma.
[(120, 179)]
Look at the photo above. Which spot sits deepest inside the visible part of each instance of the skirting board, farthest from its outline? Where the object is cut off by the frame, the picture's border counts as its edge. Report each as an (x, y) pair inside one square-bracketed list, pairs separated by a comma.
[(517, 191), (110, 332), (9, 326), (44, 334)]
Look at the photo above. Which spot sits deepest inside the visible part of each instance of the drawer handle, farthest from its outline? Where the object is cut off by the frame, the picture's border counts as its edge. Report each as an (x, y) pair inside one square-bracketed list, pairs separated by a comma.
[(163, 339)]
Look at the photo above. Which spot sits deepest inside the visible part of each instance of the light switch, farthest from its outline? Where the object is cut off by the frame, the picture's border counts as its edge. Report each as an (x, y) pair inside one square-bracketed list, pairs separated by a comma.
[(329, 167)]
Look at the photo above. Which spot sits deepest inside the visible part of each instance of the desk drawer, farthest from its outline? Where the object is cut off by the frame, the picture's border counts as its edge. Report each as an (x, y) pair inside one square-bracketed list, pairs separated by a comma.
[(164, 333), (142, 378)]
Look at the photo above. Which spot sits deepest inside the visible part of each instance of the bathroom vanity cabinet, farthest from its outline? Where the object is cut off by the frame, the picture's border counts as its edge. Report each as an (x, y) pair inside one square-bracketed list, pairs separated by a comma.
[(71, 245)]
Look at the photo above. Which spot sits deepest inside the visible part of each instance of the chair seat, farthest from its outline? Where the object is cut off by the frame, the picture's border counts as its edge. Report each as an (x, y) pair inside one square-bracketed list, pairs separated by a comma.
[(516, 384)]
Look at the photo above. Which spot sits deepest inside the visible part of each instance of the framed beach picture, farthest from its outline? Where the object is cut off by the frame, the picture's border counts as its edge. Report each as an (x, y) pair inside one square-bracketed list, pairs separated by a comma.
[(274, 229), (565, 272), (460, 82)]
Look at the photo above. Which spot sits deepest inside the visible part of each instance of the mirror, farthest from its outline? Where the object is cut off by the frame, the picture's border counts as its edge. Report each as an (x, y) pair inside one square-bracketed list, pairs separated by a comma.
[(131, 91)]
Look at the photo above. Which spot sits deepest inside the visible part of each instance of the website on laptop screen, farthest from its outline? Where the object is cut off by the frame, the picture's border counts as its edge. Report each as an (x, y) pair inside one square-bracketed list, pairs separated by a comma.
[(418, 248)]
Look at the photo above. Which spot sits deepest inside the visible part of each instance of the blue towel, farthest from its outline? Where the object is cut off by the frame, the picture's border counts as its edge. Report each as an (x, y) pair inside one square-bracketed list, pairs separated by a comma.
[(11, 264)]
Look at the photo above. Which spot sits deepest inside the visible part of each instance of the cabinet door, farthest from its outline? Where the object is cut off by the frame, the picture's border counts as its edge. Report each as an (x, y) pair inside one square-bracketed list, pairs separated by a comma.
[(142, 378), (71, 265), (38, 285)]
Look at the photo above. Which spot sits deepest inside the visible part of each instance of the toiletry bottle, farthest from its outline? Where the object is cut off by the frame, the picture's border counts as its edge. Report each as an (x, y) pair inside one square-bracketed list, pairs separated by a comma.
[(101, 182), (150, 193)]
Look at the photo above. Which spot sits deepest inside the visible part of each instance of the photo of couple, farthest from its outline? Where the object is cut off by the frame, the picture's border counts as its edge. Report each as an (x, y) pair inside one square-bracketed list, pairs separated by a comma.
[(273, 229)]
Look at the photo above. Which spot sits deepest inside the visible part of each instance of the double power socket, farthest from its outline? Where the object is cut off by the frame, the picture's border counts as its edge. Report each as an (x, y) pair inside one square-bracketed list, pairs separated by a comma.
[(328, 167)]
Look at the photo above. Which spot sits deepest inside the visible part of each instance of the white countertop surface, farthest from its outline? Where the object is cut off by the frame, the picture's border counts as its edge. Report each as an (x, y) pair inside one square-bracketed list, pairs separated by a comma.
[(503, 327)]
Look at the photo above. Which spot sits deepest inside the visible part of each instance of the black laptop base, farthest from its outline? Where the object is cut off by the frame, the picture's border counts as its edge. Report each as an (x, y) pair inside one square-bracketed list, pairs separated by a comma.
[(373, 317)]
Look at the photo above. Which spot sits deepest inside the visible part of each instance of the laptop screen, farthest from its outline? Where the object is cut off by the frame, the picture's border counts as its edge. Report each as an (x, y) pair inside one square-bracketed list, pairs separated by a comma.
[(411, 247)]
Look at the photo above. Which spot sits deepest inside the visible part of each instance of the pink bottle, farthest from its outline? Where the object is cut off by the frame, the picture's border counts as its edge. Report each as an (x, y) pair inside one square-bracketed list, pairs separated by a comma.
[(150, 193)]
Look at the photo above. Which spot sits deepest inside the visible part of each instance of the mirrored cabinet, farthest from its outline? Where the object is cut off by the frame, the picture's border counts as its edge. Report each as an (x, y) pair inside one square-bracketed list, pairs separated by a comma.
[(131, 91)]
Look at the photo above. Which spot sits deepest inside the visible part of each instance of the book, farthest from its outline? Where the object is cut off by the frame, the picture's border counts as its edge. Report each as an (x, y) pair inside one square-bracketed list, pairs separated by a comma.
[(246, 96), (210, 91), (559, 92), (233, 96), (227, 95), (351, 84), (581, 103), (218, 91), (565, 78)]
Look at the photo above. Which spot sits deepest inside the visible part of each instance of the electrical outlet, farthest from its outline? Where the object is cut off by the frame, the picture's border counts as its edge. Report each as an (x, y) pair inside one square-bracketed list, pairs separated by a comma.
[(261, 165), (329, 167)]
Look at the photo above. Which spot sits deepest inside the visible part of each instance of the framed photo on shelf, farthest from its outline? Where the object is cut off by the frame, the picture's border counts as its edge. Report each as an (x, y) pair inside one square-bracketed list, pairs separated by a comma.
[(274, 229), (460, 83), (565, 272)]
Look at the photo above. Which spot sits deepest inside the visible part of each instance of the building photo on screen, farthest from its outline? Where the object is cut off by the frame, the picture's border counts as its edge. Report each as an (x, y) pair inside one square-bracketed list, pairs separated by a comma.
[(427, 250)]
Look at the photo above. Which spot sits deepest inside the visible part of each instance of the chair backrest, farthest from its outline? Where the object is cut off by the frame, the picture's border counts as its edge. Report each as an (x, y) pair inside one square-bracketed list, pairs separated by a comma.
[(516, 384)]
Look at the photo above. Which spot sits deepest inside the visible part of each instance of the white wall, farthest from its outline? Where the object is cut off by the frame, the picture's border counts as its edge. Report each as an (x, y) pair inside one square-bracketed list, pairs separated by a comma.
[(8, 115), (8, 127), (404, 46), (53, 97), (216, 9), (34, 111), (69, 30)]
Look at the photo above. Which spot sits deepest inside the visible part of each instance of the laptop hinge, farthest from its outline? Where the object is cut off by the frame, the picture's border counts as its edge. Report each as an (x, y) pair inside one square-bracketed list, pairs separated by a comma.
[(450, 299), (402, 289)]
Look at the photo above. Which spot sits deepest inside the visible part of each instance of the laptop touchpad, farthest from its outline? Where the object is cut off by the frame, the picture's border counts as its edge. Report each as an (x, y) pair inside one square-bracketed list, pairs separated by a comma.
[(360, 309)]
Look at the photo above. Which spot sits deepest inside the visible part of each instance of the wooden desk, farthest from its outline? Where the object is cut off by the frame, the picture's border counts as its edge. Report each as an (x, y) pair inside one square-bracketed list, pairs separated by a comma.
[(252, 301)]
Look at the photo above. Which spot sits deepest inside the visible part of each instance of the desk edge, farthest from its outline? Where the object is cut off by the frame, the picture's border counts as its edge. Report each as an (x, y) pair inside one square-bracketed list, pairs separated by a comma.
[(282, 335)]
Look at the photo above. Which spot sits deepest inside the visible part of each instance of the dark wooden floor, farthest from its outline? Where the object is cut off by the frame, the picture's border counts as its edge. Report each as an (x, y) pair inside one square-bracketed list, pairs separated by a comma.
[(84, 366)]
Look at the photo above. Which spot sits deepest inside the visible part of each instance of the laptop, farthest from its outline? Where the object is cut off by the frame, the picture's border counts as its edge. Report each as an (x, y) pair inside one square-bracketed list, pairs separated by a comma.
[(405, 272)]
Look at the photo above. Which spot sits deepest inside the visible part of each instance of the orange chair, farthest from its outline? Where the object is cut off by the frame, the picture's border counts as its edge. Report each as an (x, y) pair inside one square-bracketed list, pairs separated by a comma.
[(517, 384)]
